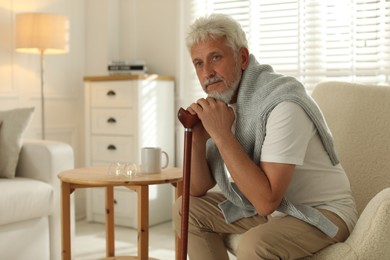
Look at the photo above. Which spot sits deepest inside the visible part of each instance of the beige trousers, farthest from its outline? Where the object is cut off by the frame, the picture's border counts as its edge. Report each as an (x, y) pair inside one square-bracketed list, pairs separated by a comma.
[(262, 238)]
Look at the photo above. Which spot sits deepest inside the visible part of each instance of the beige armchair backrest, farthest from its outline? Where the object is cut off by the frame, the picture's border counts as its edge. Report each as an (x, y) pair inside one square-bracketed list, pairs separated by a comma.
[(359, 118)]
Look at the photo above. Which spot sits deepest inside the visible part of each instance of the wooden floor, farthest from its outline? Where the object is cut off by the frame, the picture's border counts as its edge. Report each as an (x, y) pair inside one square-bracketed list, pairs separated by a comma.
[(89, 243)]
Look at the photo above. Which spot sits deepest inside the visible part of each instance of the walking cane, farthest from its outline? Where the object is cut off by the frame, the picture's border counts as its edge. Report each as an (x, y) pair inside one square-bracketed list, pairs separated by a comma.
[(188, 121)]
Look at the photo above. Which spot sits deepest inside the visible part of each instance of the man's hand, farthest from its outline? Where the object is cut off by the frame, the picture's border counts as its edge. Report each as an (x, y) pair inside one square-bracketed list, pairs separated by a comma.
[(217, 118), (199, 134)]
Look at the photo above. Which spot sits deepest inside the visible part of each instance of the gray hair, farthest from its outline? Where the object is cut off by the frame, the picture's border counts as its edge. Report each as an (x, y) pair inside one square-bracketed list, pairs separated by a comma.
[(216, 26)]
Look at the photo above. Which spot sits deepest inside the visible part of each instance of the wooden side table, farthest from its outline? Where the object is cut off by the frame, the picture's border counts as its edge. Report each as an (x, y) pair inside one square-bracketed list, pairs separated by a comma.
[(98, 176)]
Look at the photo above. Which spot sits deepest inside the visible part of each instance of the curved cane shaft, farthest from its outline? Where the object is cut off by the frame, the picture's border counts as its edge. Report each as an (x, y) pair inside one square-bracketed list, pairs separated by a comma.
[(188, 121)]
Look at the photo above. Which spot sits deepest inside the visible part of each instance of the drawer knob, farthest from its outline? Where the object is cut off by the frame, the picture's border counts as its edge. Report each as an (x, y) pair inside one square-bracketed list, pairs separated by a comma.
[(111, 93), (111, 120), (111, 147), (115, 201)]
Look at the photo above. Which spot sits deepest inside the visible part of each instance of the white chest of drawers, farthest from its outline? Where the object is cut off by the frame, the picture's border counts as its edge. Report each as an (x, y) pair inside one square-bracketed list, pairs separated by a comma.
[(123, 114)]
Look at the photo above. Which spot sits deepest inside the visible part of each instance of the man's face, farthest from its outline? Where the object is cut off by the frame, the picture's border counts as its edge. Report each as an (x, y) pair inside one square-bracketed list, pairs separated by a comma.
[(219, 70)]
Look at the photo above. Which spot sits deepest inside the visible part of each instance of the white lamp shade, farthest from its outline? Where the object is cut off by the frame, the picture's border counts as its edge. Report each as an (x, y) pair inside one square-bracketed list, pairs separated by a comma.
[(41, 33)]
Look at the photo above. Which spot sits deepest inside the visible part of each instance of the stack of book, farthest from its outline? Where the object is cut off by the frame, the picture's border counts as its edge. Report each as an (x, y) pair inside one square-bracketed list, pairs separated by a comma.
[(122, 67)]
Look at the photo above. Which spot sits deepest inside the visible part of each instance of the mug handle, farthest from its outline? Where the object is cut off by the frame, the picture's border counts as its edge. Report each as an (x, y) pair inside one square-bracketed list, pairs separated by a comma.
[(166, 160)]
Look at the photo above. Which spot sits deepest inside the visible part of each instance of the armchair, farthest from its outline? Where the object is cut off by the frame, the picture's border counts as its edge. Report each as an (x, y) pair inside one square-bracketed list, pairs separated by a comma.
[(359, 118)]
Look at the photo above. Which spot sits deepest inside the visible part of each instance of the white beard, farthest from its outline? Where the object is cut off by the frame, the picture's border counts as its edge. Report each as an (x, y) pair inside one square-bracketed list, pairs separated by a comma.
[(227, 96)]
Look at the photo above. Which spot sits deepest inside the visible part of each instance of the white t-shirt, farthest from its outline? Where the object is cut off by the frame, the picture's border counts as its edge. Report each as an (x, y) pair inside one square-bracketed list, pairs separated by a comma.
[(291, 137)]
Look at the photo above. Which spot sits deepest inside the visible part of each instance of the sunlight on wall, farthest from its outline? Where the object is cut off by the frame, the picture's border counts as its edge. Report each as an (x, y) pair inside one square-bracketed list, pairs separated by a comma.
[(148, 113)]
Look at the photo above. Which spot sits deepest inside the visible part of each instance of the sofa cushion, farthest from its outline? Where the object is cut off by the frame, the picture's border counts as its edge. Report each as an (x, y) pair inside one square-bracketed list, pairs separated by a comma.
[(13, 124), (23, 199)]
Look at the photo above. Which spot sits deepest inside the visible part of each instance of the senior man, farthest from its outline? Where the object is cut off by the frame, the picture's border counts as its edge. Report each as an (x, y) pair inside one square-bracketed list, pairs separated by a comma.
[(264, 142)]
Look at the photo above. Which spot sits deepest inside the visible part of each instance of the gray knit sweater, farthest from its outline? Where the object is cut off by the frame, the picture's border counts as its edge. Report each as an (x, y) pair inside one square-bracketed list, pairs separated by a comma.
[(260, 91)]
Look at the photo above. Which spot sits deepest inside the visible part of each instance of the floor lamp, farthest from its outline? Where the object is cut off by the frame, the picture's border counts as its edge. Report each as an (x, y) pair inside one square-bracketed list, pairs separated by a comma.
[(41, 34)]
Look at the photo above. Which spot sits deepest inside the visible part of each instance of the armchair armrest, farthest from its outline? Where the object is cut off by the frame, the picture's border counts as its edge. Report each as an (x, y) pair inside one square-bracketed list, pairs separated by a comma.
[(370, 237), (43, 160)]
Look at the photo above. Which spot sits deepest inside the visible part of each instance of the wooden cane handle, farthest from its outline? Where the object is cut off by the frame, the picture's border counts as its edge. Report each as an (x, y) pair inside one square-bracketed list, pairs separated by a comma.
[(187, 119)]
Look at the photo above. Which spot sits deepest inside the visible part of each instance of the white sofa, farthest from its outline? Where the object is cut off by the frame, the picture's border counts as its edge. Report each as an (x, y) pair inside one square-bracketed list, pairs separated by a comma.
[(359, 118), (30, 205)]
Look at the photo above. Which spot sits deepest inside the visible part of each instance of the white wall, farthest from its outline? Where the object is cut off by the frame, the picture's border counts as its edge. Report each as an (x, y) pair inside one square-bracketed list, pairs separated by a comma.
[(132, 30)]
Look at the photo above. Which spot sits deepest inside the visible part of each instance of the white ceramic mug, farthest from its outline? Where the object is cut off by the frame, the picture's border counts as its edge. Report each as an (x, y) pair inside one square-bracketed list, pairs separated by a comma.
[(151, 159)]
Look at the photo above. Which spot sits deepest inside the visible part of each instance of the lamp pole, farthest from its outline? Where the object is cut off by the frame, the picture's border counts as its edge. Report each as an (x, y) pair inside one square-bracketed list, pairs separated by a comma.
[(42, 52)]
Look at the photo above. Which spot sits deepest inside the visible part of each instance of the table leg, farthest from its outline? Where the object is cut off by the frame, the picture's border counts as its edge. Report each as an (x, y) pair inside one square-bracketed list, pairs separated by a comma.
[(178, 193), (143, 222), (110, 228), (65, 219)]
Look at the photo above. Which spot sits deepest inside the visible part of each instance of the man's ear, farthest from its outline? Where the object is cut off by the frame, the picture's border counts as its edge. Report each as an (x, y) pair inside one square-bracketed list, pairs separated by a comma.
[(244, 54)]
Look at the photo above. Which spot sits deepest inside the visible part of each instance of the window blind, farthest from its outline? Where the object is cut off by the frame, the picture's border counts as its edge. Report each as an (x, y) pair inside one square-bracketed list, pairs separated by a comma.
[(312, 40)]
